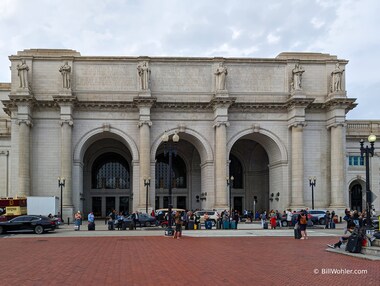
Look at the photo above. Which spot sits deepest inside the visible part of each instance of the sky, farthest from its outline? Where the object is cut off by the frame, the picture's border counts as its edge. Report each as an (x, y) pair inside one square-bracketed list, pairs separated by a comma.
[(205, 28)]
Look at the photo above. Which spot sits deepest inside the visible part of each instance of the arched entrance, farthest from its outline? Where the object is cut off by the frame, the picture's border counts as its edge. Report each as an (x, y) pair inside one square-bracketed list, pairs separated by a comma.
[(356, 197), (249, 167), (259, 161), (107, 177), (192, 163)]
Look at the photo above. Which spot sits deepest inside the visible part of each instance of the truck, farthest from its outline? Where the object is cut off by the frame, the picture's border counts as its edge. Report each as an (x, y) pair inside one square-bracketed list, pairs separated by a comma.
[(11, 207), (42, 205)]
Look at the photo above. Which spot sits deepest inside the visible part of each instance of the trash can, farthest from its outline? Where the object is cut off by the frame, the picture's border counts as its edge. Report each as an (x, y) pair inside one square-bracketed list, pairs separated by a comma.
[(218, 224), (208, 224), (190, 225), (226, 224)]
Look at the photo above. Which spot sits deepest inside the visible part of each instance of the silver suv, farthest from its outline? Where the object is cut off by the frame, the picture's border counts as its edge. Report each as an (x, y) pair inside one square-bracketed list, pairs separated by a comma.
[(318, 216), (212, 215)]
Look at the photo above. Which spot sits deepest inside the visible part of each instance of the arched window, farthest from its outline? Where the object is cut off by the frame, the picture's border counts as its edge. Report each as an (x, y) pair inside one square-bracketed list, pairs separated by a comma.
[(110, 171), (178, 172), (236, 170)]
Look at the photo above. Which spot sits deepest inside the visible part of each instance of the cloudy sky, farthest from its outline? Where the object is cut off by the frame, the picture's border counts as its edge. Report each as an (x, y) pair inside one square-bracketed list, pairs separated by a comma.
[(239, 28)]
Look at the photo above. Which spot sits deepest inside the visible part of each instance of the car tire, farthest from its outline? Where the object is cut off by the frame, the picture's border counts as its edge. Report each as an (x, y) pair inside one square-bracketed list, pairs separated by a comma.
[(321, 221), (147, 224), (38, 229), (284, 223)]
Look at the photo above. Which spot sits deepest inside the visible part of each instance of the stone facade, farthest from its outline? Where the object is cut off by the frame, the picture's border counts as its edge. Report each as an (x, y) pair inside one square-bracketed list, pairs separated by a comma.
[(270, 123)]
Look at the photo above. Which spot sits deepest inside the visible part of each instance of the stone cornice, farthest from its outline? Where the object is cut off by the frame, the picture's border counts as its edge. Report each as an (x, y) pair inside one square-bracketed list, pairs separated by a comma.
[(144, 101)]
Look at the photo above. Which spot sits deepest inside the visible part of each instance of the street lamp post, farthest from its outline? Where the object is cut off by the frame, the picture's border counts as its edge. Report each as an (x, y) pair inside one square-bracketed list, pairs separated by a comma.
[(61, 184), (312, 183), (365, 152), (170, 150), (146, 184), (230, 182)]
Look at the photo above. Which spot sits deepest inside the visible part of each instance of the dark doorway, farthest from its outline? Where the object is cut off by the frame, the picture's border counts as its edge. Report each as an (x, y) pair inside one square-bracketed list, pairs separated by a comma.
[(124, 205), (356, 198), (110, 204), (97, 206), (181, 202), (238, 204)]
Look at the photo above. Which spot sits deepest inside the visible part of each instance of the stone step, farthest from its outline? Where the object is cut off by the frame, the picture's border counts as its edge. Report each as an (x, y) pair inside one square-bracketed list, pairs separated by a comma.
[(371, 250), (376, 242)]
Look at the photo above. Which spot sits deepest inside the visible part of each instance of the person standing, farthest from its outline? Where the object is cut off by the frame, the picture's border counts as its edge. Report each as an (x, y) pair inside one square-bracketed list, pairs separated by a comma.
[(78, 220), (135, 217), (91, 221), (302, 221), (178, 225)]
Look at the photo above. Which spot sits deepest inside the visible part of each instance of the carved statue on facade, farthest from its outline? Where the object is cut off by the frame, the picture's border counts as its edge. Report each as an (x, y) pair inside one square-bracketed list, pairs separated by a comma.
[(65, 70), (336, 78), (297, 77), (220, 77), (23, 74), (144, 74)]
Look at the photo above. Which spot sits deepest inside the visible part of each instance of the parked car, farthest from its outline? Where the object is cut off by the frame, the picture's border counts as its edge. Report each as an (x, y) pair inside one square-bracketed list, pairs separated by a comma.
[(37, 223), (318, 216), (212, 215), (144, 220)]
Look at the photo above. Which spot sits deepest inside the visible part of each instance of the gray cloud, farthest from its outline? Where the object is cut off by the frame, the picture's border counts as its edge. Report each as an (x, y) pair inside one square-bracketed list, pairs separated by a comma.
[(242, 28)]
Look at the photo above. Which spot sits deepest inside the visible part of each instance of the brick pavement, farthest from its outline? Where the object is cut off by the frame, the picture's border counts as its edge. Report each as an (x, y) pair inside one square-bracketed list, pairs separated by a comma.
[(127, 260)]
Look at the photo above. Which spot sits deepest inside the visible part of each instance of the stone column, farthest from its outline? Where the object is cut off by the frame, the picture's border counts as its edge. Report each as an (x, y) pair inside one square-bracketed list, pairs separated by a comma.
[(297, 166), (24, 158), (4, 171), (144, 163), (67, 162), (221, 194), (337, 166), (144, 102)]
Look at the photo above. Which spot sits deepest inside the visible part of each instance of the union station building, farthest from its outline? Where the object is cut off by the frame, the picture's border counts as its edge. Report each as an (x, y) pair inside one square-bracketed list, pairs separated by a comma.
[(99, 123)]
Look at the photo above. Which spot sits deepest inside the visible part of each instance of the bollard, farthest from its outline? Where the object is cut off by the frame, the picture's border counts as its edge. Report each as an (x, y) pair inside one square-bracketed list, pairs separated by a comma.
[(68, 221), (340, 219)]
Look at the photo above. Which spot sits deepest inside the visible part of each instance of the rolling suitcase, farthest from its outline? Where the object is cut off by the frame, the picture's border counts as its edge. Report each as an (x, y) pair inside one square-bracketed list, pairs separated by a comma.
[(265, 225), (354, 244), (91, 226)]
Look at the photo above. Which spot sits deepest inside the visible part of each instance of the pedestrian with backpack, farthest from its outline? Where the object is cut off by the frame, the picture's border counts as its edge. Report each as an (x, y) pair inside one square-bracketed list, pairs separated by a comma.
[(302, 221)]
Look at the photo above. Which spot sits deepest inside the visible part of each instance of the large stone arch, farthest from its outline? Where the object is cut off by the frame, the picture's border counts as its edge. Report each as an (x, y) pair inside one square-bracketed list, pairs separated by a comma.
[(271, 142), (203, 147), (194, 137), (98, 133), (276, 174), (85, 141)]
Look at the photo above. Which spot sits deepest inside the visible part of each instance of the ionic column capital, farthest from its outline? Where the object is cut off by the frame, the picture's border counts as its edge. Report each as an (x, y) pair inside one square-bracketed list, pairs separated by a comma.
[(27, 122), (336, 124), (66, 121), (299, 124), (143, 122), (221, 123)]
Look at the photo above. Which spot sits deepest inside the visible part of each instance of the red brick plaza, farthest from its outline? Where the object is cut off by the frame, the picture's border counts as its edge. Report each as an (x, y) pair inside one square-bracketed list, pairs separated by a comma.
[(162, 260)]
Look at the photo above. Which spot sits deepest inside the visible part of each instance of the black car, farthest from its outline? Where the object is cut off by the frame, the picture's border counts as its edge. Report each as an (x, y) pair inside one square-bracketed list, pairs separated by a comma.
[(36, 223), (144, 220)]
